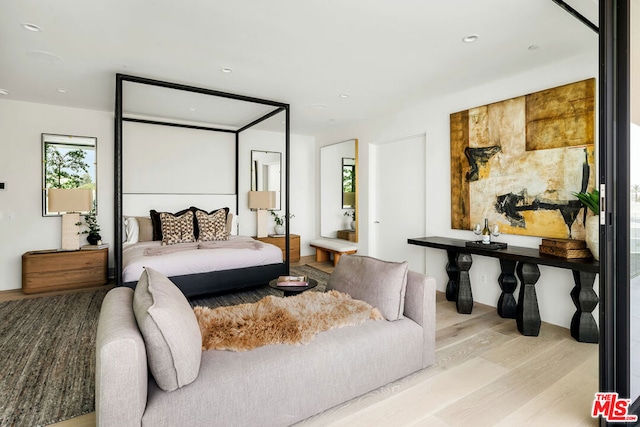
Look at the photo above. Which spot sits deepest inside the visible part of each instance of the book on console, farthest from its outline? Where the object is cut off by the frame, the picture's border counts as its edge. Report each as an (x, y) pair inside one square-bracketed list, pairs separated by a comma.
[(293, 281)]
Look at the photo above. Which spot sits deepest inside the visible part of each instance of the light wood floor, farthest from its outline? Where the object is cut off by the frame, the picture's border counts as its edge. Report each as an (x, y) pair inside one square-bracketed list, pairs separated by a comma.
[(486, 374)]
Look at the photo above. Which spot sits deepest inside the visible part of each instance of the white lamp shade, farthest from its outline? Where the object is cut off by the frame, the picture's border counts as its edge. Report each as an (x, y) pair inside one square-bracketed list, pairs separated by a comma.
[(70, 199), (262, 199)]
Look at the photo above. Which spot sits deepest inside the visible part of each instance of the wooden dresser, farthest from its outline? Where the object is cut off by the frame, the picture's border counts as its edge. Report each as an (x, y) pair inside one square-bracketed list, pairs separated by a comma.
[(279, 241), (52, 270)]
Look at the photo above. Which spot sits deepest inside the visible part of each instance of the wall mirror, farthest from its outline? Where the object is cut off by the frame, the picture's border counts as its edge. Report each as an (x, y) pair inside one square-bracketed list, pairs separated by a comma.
[(266, 167), (68, 162), (338, 190)]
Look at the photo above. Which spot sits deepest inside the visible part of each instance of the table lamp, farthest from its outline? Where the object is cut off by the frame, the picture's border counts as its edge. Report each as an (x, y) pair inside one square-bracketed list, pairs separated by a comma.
[(69, 202), (261, 201)]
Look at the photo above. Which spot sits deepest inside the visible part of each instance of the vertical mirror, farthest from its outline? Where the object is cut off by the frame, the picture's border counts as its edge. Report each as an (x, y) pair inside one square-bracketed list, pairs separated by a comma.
[(338, 190), (68, 162), (266, 174)]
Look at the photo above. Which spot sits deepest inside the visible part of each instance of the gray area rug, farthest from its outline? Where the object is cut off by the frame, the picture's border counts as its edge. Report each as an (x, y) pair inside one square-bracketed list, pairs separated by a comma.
[(47, 351)]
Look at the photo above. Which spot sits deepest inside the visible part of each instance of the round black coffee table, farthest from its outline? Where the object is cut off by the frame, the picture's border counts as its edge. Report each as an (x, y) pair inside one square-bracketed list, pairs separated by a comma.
[(293, 290)]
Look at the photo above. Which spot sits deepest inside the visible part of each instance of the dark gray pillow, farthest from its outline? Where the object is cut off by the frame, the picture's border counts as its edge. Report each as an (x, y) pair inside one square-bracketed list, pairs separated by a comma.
[(170, 330), (380, 283)]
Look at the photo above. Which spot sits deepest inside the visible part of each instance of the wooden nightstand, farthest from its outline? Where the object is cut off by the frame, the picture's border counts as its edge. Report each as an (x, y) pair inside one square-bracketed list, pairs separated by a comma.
[(45, 271), (279, 241)]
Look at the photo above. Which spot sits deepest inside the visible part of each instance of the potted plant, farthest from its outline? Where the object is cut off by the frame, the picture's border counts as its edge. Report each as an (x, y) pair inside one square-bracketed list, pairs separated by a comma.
[(93, 229), (352, 215), (279, 220), (591, 201)]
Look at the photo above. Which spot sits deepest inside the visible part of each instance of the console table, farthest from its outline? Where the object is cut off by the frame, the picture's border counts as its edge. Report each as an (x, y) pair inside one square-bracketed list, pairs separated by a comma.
[(524, 263)]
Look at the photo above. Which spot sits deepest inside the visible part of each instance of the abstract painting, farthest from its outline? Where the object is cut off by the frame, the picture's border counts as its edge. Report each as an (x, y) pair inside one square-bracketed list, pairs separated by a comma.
[(517, 162)]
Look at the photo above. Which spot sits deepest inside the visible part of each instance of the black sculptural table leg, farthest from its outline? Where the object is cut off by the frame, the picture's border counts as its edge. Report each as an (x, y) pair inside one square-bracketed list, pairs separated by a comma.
[(527, 313), (464, 299), (452, 272), (508, 283), (583, 325)]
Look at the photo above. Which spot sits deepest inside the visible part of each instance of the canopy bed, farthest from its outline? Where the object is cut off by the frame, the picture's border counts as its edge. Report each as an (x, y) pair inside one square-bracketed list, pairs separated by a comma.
[(195, 157)]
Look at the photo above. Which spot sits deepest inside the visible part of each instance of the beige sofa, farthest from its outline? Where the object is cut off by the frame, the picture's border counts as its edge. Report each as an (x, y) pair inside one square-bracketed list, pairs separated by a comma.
[(275, 385)]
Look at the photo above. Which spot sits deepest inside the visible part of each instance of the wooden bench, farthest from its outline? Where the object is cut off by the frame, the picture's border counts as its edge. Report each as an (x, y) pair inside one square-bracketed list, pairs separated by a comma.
[(325, 247)]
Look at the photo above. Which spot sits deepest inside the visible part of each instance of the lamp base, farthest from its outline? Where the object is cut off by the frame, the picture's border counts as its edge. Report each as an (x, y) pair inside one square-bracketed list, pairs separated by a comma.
[(261, 230), (70, 237)]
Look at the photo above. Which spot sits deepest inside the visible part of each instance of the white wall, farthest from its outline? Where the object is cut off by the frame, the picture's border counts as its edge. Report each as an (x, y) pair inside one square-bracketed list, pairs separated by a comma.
[(21, 124), (432, 116)]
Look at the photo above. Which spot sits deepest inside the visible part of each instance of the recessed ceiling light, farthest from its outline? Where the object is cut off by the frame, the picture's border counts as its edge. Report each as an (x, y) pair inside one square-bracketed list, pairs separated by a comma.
[(31, 27), (62, 90), (226, 70), (344, 95), (534, 47), (192, 109), (319, 106), (4, 92), (470, 38)]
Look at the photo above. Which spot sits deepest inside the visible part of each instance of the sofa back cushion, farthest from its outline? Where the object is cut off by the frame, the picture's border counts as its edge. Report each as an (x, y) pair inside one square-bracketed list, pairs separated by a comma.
[(380, 283), (170, 330)]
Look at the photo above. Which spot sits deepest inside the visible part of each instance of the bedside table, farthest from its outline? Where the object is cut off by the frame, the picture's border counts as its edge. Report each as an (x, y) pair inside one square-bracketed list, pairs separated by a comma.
[(279, 241), (53, 270)]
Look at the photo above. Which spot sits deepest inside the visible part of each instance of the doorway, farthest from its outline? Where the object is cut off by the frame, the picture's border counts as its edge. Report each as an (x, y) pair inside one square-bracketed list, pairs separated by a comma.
[(398, 199)]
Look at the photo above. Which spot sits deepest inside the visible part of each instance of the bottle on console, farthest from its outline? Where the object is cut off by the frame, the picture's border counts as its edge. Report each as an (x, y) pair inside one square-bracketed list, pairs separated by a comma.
[(486, 233)]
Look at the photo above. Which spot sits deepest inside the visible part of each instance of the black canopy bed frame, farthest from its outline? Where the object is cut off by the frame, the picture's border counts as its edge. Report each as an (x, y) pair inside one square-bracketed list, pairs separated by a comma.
[(215, 281)]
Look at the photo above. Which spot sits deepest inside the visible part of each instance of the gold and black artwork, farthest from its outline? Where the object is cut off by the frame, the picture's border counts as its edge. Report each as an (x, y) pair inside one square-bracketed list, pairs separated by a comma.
[(517, 162)]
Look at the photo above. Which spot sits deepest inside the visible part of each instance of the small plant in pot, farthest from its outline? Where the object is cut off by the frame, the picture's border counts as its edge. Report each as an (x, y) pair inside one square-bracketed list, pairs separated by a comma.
[(279, 220), (93, 229), (591, 201)]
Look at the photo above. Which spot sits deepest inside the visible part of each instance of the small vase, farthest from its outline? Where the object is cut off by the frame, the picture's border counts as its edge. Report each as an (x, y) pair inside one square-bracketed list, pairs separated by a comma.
[(353, 225), (592, 235), (279, 229), (93, 238)]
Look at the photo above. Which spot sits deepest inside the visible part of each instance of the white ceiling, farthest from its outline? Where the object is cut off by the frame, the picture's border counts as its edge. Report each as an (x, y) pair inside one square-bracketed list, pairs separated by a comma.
[(386, 55)]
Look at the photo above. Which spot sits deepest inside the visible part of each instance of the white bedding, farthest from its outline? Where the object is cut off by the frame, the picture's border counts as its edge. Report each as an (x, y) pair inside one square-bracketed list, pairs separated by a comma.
[(192, 260)]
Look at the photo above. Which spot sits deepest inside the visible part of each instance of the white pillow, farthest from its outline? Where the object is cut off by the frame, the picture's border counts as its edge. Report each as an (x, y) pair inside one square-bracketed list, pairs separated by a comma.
[(131, 230)]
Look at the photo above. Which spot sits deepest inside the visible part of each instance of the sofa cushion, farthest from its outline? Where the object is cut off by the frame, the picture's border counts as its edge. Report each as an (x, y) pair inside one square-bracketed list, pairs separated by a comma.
[(380, 283), (170, 330)]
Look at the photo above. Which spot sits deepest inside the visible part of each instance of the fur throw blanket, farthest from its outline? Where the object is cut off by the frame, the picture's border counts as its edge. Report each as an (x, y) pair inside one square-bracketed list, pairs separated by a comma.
[(274, 320)]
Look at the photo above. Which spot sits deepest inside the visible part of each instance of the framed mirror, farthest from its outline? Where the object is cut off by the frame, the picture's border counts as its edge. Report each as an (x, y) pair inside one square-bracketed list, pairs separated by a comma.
[(68, 162), (266, 167), (338, 190)]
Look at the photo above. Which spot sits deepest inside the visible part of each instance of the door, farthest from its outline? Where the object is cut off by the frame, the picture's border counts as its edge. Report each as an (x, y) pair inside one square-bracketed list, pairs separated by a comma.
[(398, 199), (620, 213)]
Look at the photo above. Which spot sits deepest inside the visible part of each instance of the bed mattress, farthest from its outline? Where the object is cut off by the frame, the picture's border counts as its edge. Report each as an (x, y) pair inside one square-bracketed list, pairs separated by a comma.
[(194, 258)]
